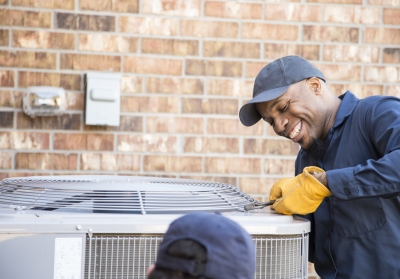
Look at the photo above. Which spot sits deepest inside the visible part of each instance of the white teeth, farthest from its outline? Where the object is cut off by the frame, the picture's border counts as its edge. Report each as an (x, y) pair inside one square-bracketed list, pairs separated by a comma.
[(295, 131)]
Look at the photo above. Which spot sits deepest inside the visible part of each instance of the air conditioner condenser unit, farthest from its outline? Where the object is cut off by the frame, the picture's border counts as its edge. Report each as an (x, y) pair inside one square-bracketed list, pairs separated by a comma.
[(109, 227)]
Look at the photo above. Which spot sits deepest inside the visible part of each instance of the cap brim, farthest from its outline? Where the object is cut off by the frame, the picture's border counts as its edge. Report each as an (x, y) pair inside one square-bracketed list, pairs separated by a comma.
[(249, 115)]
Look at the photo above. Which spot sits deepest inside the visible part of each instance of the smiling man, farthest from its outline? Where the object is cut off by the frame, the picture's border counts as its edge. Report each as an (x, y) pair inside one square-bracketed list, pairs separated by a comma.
[(347, 179)]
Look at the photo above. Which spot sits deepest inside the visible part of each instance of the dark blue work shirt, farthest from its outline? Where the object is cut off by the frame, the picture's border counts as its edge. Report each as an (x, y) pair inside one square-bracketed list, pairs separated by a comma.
[(356, 231)]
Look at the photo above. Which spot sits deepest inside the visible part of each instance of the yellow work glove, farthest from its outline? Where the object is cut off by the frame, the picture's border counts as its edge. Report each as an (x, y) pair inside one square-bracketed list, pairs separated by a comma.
[(299, 195)]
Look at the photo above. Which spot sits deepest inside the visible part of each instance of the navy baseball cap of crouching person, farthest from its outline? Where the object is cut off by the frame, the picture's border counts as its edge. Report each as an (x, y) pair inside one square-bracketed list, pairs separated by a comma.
[(230, 249), (275, 79)]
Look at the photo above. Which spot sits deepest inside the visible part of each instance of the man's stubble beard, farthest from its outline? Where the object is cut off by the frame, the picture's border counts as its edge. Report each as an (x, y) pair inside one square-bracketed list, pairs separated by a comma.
[(318, 149)]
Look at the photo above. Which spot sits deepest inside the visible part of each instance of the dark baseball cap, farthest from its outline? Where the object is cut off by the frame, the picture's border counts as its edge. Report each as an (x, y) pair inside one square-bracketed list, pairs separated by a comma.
[(275, 79), (230, 249)]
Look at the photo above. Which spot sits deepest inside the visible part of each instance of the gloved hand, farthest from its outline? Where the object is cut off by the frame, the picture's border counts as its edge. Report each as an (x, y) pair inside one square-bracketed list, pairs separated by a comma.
[(299, 195)]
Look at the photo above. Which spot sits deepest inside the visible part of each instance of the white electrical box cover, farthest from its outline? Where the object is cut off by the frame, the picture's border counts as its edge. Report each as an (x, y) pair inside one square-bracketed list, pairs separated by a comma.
[(44, 101), (103, 99)]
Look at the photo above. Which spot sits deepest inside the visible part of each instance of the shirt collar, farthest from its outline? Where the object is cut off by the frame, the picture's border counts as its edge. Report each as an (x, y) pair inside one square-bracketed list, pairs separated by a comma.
[(348, 104)]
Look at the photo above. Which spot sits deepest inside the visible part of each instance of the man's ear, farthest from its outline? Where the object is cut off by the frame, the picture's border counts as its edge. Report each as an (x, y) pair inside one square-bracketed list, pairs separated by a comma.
[(315, 84)]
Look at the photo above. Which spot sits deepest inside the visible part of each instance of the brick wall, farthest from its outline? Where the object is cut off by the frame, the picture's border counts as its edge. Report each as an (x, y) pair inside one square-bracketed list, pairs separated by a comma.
[(188, 66)]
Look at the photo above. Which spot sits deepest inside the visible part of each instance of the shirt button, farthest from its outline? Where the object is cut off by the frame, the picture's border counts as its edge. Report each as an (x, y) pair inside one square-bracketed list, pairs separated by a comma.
[(346, 191)]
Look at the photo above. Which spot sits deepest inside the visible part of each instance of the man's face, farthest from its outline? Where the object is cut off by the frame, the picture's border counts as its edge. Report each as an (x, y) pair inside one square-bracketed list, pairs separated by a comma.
[(298, 114)]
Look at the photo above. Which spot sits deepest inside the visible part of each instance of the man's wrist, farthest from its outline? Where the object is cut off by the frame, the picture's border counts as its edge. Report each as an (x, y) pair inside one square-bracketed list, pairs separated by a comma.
[(321, 177)]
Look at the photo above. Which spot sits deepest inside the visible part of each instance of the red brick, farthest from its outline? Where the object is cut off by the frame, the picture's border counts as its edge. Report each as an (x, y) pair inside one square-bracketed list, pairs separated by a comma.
[(5, 160), (28, 59), (394, 3), (147, 65), (60, 122), (131, 84), (122, 6), (232, 165), (149, 104), (100, 142), (43, 39), (229, 87), (259, 185), (337, 1), (353, 53), (265, 31), (25, 18), (127, 123), (211, 145), (382, 36), (75, 101), (353, 14), (382, 74), (72, 21), (391, 55), (46, 161), (4, 37), (218, 29), (281, 166), (107, 43), (210, 106), (66, 81), (358, 89), (187, 8), (24, 140), (6, 119), (174, 85), (147, 143), (213, 68), (233, 10), (253, 68), (84, 142), (55, 4), (343, 72), (110, 162), (173, 163), (231, 49), (7, 79), (149, 25), (70, 141), (293, 12), (330, 34), (90, 62), (393, 91), (391, 16), (232, 127), (186, 125), (275, 51), (270, 147), (11, 99), (170, 46)]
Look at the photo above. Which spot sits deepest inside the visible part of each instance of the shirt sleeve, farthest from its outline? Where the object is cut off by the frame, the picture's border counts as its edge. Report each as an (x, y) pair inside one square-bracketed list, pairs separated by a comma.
[(376, 177)]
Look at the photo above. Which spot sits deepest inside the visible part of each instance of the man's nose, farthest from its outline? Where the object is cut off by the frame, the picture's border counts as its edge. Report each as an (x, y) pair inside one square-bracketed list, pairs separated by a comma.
[(280, 126)]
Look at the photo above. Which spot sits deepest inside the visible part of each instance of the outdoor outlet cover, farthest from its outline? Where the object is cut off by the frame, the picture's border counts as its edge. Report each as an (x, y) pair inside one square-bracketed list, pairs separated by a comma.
[(103, 99)]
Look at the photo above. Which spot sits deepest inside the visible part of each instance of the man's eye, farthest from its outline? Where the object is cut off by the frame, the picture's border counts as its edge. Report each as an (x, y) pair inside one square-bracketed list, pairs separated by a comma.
[(285, 107)]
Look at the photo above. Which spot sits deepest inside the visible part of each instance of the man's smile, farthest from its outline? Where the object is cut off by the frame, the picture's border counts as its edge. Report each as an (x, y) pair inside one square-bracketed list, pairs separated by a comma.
[(295, 132)]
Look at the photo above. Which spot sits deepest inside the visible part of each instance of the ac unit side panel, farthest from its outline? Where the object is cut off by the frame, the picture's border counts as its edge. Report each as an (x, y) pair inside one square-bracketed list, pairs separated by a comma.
[(42, 256), (260, 223)]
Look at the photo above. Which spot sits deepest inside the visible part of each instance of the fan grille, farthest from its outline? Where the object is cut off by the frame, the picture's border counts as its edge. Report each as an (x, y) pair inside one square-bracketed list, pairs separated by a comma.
[(129, 256), (119, 194)]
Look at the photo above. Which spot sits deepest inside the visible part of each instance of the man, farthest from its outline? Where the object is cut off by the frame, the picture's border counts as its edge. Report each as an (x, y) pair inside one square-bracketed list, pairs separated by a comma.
[(204, 246), (347, 170)]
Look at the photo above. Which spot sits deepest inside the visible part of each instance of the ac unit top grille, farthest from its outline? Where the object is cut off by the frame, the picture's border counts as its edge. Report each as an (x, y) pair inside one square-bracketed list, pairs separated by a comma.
[(119, 194)]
